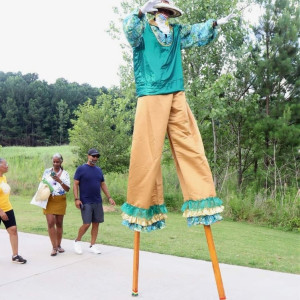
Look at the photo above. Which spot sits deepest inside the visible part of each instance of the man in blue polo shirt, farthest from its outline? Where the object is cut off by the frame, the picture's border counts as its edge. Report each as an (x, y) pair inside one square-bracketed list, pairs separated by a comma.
[(89, 180)]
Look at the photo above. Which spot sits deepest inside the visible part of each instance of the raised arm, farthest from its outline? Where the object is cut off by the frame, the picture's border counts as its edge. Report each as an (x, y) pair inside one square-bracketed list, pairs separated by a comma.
[(134, 26), (201, 34)]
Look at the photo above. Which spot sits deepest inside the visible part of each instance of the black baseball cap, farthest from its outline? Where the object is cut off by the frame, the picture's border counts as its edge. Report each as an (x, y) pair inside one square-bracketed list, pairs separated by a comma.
[(93, 152)]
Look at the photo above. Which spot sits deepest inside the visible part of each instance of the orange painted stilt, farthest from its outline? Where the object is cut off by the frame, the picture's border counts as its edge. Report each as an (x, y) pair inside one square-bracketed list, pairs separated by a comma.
[(214, 260), (136, 254)]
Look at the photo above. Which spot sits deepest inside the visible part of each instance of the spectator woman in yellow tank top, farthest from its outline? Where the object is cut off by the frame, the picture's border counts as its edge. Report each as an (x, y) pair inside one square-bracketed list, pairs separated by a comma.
[(7, 215)]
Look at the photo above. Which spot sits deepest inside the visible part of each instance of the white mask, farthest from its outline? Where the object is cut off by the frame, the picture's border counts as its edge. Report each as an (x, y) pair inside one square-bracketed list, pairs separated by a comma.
[(162, 23), (92, 162)]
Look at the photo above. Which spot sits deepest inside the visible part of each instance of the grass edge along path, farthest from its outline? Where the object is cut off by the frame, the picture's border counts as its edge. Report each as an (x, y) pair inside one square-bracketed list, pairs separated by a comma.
[(236, 243)]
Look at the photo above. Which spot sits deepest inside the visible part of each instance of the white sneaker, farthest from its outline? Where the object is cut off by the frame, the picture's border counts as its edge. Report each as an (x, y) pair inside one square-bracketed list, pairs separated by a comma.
[(77, 247), (95, 249)]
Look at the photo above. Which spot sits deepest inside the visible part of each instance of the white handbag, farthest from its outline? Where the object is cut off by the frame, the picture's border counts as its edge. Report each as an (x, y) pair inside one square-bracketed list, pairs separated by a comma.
[(42, 194)]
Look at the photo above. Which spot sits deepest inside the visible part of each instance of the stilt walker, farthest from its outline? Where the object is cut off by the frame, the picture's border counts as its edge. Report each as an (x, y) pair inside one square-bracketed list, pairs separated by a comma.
[(162, 108)]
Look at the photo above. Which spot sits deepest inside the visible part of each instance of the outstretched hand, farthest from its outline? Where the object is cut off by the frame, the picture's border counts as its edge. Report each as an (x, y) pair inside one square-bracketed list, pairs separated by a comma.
[(226, 19), (149, 6)]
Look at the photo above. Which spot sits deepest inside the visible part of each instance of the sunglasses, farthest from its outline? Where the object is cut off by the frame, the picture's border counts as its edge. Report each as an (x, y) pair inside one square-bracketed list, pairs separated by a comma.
[(95, 156)]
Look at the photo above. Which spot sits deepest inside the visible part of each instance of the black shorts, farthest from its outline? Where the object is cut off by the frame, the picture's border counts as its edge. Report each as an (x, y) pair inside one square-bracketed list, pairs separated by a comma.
[(92, 213), (11, 219)]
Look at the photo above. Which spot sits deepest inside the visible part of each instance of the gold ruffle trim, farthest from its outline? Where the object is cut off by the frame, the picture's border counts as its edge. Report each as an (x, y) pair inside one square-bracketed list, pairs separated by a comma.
[(204, 212), (142, 221)]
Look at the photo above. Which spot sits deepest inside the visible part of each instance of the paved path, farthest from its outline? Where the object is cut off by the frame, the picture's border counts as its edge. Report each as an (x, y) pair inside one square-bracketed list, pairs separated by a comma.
[(108, 276)]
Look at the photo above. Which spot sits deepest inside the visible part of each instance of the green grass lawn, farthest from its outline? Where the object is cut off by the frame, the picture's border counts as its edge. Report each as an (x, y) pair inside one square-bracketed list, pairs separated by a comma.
[(27, 164), (236, 243)]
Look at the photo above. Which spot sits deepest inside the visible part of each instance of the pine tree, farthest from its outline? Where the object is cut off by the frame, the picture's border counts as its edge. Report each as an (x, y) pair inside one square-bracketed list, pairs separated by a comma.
[(276, 54), (10, 130), (63, 119)]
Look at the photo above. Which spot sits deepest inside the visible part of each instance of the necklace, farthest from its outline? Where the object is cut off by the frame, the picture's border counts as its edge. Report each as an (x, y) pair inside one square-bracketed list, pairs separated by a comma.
[(57, 173)]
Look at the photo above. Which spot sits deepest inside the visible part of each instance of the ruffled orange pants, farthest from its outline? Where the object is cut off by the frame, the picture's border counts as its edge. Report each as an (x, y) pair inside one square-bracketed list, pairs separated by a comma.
[(156, 115)]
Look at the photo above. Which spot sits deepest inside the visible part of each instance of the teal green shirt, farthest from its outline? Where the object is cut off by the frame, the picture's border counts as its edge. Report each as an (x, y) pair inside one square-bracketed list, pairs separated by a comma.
[(158, 67), (156, 56)]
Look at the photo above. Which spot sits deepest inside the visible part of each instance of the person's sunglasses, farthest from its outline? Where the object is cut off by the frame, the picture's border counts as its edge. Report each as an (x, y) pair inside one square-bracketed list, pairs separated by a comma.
[(95, 156)]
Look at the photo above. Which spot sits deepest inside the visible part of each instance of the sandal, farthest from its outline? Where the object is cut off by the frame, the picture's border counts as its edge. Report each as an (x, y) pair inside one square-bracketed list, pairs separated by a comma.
[(54, 252), (60, 249)]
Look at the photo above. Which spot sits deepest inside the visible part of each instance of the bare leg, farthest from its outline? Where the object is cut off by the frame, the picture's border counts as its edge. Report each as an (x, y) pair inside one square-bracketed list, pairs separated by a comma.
[(82, 230), (52, 230), (13, 236), (94, 233), (59, 228)]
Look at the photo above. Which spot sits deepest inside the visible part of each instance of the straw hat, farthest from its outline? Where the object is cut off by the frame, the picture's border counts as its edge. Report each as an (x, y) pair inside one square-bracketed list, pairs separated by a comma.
[(169, 5)]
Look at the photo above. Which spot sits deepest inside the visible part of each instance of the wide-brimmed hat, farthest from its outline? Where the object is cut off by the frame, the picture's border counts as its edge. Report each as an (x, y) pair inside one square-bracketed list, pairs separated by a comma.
[(169, 5)]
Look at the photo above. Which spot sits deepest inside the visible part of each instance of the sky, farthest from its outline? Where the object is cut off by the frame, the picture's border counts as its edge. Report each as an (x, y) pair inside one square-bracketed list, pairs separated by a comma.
[(60, 39)]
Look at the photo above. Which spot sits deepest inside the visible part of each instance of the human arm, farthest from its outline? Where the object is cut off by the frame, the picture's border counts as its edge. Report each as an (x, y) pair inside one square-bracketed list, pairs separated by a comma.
[(78, 202), (64, 180), (199, 34), (226, 19), (149, 6), (106, 192), (3, 185), (134, 26)]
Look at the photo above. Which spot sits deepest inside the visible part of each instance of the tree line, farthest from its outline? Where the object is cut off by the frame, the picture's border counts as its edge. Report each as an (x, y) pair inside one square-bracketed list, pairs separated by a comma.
[(33, 112), (244, 90)]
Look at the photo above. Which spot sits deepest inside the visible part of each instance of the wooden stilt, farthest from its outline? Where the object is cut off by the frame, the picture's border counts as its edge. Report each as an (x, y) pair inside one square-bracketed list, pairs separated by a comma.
[(136, 254), (214, 260)]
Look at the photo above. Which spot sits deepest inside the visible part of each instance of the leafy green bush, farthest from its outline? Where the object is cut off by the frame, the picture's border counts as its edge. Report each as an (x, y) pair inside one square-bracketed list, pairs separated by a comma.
[(105, 126)]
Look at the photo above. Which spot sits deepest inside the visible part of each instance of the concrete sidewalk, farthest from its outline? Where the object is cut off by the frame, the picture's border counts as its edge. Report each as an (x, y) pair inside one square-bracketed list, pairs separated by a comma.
[(108, 276)]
